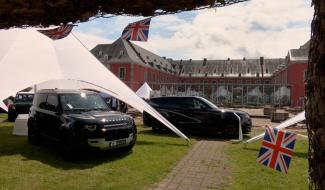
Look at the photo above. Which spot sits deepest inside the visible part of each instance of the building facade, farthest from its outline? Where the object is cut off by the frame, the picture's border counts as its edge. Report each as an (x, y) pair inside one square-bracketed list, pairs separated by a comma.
[(261, 81)]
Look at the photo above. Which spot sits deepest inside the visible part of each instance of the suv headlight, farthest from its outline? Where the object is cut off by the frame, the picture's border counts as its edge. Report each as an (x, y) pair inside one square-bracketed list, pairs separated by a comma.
[(91, 127), (130, 122)]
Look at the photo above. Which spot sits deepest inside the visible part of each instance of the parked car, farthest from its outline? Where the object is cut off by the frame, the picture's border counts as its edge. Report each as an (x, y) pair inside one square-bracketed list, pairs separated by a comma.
[(21, 104), (197, 115), (79, 120)]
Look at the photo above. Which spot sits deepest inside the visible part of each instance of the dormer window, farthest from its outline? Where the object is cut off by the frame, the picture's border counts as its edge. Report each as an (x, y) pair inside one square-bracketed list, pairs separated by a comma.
[(257, 74), (100, 53), (267, 70), (206, 75), (248, 70)]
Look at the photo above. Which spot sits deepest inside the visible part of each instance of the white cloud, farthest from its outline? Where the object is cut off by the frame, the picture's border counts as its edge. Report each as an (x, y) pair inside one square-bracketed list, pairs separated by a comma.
[(250, 29), (256, 28)]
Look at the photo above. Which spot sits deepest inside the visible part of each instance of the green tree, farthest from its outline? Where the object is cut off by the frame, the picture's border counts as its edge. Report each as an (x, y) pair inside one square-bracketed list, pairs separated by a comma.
[(315, 92)]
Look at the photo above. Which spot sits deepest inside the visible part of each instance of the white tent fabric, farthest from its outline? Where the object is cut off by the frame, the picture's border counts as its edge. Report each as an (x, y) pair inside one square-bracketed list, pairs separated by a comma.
[(28, 57), (222, 91), (255, 92), (144, 91), (294, 120)]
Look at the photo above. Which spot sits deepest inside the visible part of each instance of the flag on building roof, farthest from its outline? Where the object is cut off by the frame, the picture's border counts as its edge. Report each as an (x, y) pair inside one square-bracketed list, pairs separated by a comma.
[(137, 31), (277, 149), (57, 33)]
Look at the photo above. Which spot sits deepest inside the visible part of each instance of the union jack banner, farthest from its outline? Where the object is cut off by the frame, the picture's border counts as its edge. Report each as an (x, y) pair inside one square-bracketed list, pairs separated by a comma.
[(277, 149), (137, 31), (57, 33)]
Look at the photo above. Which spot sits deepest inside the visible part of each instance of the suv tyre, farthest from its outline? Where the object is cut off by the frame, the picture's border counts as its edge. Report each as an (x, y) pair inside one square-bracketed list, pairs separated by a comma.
[(231, 131)]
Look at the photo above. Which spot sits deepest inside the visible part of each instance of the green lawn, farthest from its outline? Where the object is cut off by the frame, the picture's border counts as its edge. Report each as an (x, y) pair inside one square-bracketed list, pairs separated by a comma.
[(247, 174), (24, 166)]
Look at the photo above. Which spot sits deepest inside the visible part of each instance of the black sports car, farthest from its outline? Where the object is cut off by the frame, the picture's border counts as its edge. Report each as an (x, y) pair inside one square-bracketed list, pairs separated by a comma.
[(197, 115)]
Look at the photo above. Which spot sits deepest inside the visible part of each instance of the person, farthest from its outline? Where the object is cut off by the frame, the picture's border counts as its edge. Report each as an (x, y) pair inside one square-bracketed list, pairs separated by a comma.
[(123, 107), (114, 104)]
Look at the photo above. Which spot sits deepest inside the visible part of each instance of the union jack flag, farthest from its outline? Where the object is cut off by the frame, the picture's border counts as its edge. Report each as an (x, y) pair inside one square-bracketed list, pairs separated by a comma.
[(277, 149), (57, 33), (137, 31)]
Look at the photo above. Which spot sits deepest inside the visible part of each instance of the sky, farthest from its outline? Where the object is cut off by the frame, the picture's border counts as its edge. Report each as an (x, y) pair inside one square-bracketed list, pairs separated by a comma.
[(251, 29)]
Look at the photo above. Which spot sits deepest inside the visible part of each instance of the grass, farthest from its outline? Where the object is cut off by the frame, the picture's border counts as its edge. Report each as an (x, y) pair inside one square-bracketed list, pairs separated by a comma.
[(247, 174), (24, 166)]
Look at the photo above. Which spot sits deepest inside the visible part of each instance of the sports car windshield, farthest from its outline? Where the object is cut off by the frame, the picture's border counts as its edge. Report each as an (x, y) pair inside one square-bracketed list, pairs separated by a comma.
[(82, 102)]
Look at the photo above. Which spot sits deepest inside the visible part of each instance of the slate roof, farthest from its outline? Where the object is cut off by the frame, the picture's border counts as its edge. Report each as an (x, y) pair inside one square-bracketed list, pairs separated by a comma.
[(229, 68), (122, 51)]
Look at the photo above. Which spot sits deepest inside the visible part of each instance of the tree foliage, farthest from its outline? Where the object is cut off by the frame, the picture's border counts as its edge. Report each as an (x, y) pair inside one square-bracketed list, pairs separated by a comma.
[(20, 13)]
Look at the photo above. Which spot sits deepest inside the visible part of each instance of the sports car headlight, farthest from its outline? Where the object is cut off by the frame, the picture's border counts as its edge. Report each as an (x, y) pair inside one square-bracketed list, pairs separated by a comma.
[(91, 127)]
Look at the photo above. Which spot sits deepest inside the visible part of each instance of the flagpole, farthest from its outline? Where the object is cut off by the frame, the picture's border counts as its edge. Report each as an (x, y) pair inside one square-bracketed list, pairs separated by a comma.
[(79, 41)]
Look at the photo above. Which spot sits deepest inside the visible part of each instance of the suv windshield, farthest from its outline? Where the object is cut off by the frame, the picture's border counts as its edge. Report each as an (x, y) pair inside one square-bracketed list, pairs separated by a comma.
[(211, 105), (83, 102), (24, 98)]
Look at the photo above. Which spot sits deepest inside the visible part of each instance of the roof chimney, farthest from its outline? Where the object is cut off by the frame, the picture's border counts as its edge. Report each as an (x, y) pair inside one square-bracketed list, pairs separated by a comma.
[(262, 63)]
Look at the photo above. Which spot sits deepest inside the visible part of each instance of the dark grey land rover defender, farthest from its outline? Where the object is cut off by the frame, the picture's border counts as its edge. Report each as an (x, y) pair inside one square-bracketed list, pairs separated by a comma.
[(79, 120)]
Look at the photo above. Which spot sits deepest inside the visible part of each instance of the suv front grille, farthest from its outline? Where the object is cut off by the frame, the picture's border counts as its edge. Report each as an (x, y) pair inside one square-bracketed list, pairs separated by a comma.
[(115, 125), (118, 134)]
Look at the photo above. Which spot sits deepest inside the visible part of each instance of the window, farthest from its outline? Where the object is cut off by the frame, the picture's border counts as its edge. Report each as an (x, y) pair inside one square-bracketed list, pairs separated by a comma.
[(52, 103), (122, 73), (100, 53), (41, 101), (247, 70), (257, 74), (192, 103)]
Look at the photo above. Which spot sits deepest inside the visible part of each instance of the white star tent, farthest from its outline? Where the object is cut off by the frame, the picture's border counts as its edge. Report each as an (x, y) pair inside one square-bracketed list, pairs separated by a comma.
[(144, 91), (27, 57)]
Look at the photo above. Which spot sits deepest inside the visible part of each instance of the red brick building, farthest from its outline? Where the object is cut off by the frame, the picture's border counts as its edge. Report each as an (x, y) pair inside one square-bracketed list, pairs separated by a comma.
[(234, 81), (294, 72)]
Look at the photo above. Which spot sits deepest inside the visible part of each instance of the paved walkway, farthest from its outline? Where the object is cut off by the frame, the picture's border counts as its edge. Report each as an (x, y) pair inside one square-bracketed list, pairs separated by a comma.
[(202, 168)]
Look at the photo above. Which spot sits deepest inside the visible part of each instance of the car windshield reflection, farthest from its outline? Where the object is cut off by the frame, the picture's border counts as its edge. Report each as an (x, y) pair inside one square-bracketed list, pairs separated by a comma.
[(210, 104), (83, 102)]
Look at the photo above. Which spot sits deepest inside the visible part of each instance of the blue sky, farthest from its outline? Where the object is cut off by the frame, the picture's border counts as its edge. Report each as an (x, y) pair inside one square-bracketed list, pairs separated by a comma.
[(251, 29)]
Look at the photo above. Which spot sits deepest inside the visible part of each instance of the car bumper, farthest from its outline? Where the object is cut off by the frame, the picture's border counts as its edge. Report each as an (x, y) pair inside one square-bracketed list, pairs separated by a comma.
[(104, 144)]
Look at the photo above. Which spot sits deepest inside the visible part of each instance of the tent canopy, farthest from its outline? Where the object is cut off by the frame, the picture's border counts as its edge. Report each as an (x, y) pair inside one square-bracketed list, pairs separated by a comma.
[(144, 91), (28, 57)]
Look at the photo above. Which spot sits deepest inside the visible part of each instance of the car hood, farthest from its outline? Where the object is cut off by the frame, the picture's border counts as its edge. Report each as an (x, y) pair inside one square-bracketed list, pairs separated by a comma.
[(101, 116), (22, 104), (236, 111)]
